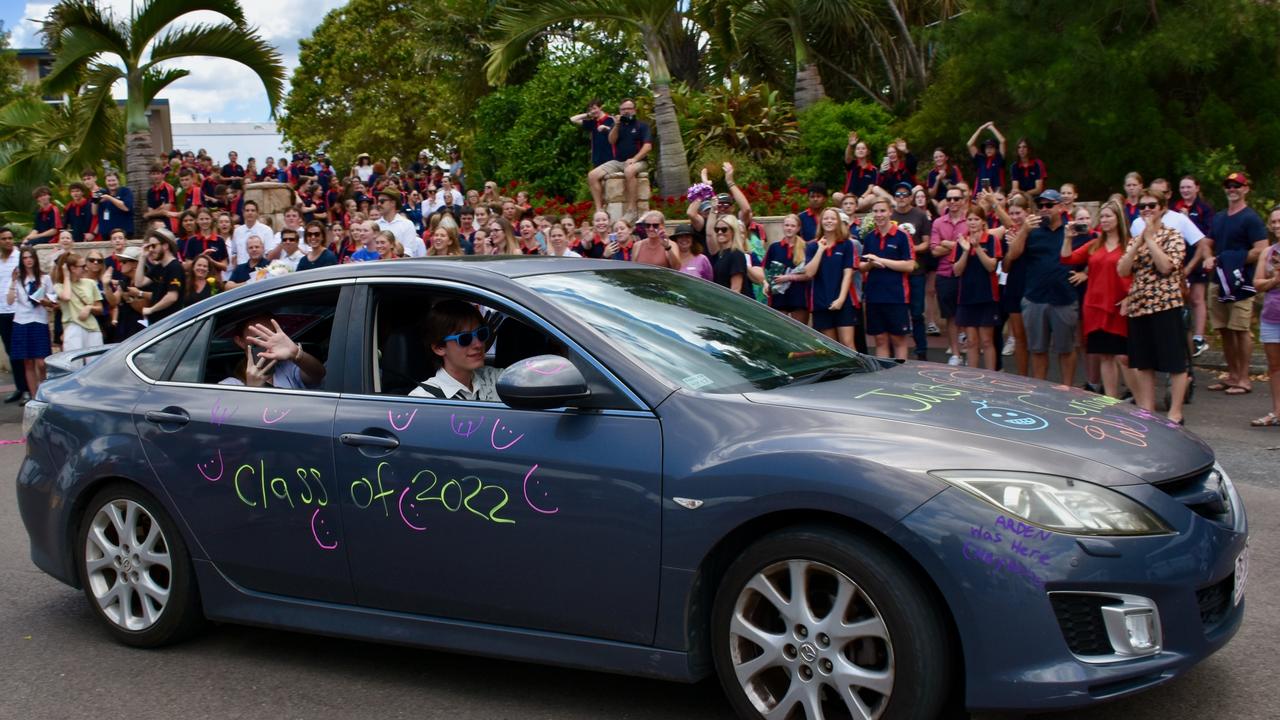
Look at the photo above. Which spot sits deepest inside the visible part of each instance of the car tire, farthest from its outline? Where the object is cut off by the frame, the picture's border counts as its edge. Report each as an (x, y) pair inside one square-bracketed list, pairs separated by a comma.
[(886, 654), (135, 569)]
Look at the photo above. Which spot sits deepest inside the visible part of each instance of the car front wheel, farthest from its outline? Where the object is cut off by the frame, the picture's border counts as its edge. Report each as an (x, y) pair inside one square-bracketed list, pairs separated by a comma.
[(135, 569), (819, 623)]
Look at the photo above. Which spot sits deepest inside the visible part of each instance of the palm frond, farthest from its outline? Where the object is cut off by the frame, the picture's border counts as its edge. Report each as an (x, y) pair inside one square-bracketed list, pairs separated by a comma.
[(156, 14), (94, 117), (78, 45), (224, 40), (154, 80), (24, 115)]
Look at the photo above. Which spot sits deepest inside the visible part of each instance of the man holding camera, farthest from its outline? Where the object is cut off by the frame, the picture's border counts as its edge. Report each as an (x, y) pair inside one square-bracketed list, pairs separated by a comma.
[(115, 206), (1050, 311), (631, 143)]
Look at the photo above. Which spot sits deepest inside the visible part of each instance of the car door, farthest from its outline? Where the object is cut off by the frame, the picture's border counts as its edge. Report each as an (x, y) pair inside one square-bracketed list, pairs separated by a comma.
[(250, 470), (545, 519)]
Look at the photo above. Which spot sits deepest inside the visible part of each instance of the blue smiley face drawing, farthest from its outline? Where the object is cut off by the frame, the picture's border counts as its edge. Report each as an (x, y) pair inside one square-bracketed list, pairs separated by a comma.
[(1009, 418)]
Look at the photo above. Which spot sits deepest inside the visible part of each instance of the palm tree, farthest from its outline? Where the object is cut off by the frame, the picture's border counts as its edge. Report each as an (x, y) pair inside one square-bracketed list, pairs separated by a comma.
[(93, 50), (519, 24)]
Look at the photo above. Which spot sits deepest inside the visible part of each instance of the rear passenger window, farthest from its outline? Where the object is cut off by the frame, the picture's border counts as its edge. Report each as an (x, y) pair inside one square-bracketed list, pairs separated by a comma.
[(153, 360), (306, 317)]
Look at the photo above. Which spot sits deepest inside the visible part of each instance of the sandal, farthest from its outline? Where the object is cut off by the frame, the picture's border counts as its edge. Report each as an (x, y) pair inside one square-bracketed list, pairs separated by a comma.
[(1238, 390), (1268, 420), (1218, 387)]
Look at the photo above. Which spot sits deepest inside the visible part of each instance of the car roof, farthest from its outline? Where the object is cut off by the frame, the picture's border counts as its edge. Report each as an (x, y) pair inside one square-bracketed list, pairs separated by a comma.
[(468, 267)]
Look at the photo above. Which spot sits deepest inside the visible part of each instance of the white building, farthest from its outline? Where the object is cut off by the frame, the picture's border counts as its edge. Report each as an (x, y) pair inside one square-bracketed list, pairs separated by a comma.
[(250, 140)]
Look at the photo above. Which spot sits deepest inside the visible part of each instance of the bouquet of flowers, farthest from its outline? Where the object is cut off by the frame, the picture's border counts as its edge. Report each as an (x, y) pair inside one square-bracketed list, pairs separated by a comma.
[(773, 270), (700, 191), (275, 269)]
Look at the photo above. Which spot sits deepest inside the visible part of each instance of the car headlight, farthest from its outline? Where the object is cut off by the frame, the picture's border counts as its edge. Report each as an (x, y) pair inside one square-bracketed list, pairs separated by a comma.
[(31, 413), (1062, 504)]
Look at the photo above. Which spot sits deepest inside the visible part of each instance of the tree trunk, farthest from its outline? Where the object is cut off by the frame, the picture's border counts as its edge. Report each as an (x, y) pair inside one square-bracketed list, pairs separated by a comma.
[(913, 56), (138, 156), (809, 88), (673, 166)]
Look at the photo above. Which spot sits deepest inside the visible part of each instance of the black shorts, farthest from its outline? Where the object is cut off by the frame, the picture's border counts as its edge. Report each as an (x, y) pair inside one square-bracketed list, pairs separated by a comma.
[(948, 294), (846, 316), (1158, 342), (892, 318), (1101, 342), (978, 315)]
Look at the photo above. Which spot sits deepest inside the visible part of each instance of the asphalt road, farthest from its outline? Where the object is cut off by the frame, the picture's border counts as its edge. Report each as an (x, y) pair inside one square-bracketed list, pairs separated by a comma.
[(55, 662)]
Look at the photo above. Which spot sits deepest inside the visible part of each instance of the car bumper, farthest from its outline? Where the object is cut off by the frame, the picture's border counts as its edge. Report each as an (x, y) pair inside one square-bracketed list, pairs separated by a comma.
[(997, 582)]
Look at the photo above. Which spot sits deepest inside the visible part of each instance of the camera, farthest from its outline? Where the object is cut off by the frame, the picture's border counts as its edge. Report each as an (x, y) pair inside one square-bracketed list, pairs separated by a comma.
[(628, 119), (1080, 227)]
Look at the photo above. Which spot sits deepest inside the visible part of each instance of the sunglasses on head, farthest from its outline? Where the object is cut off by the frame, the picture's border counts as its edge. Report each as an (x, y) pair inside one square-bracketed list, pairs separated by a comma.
[(1148, 205), (464, 338)]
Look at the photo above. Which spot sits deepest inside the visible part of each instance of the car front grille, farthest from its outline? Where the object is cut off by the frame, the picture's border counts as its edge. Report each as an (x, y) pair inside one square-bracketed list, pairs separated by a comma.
[(1202, 493), (1080, 617), (1215, 601)]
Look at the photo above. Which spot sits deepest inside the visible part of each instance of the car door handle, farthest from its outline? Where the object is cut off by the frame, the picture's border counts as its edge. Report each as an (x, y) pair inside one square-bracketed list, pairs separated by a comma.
[(168, 417), (378, 441)]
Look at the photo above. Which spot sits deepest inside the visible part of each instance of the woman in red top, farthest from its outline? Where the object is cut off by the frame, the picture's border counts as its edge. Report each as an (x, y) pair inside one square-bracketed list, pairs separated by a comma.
[(1106, 330)]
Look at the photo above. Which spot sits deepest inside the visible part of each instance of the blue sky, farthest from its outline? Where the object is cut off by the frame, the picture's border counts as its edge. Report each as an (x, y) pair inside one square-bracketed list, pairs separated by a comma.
[(217, 89)]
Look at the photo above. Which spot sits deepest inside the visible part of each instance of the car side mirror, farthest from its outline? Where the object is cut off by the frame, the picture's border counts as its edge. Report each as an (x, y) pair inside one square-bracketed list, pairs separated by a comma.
[(542, 382)]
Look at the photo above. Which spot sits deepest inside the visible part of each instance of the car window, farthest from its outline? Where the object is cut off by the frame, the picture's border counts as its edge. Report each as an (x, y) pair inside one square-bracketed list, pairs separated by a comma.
[(217, 353), (696, 335), (154, 359), (401, 358)]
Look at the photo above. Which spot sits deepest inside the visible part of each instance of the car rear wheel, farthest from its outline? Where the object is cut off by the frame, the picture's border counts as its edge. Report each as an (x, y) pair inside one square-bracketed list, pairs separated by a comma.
[(135, 569), (819, 623)]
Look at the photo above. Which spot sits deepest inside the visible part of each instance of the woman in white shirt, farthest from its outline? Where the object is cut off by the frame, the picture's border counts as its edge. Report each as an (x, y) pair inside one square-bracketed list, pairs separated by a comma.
[(558, 242), (31, 294)]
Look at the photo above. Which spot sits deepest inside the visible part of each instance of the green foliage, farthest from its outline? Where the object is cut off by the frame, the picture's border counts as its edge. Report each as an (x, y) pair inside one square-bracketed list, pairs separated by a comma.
[(10, 72), (521, 130), (1103, 87), (824, 134), (754, 122), (388, 79)]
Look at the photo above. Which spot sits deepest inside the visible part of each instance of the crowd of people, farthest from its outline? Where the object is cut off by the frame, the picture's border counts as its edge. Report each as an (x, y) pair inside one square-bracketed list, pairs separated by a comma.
[(1005, 266)]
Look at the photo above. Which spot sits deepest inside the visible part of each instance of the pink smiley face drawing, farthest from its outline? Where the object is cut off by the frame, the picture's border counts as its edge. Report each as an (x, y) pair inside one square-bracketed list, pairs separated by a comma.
[(270, 417), (323, 532), (505, 436), (210, 465), (547, 368), (410, 512), (537, 490), (399, 421), (464, 427)]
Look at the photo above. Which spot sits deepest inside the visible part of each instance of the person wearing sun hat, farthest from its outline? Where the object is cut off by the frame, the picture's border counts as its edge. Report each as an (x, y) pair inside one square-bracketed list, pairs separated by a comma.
[(1237, 239)]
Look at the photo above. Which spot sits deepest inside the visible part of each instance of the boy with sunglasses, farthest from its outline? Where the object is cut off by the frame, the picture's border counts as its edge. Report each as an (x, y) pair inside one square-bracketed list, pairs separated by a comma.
[(457, 335)]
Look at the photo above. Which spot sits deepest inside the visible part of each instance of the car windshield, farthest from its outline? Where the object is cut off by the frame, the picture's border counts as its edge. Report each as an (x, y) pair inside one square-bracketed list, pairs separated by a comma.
[(697, 334)]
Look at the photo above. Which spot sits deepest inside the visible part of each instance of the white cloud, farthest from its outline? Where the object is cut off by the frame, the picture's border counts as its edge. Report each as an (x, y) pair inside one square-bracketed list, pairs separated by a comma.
[(217, 89)]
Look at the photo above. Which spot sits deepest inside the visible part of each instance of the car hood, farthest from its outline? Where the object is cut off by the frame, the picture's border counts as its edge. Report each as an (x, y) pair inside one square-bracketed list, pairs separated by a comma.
[(992, 410)]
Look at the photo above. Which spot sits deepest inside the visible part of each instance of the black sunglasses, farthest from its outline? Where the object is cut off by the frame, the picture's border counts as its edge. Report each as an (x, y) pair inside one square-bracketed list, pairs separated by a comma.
[(314, 234), (464, 338), (902, 194), (722, 229), (648, 226), (1148, 205), (1232, 186), (1045, 205), (955, 198)]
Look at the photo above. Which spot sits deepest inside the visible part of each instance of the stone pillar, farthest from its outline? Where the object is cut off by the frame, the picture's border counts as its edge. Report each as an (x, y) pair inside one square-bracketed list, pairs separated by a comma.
[(273, 199), (615, 194)]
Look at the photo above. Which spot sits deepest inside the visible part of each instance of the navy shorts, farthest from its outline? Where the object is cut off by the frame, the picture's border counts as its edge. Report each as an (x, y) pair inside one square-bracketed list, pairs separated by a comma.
[(948, 289), (846, 316), (978, 315), (892, 318)]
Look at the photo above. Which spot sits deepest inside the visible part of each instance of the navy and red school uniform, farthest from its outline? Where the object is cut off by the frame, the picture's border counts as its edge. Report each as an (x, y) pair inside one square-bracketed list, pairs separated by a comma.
[(810, 222), (950, 175), (79, 219), (111, 217), (162, 194), (598, 244), (208, 186), (825, 286), (796, 297), (903, 171), (232, 170), (1200, 212), (882, 284), (988, 168), (979, 285), (1027, 174), (858, 178), (1130, 212), (235, 205), (193, 197), (602, 151), (48, 218), (193, 246)]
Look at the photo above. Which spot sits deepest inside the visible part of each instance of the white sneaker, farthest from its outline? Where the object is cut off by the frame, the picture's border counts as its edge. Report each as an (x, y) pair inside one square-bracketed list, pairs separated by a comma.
[(1009, 346), (932, 329), (955, 360), (964, 338)]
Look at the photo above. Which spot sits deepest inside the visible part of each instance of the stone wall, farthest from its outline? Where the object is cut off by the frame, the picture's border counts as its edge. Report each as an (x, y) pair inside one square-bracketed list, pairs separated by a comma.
[(615, 194), (273, 199)]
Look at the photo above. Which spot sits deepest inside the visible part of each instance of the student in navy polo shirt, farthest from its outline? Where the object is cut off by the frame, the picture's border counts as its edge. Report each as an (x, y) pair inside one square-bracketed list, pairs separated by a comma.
[(205, 242), (899, 166), (1050, 313), (48, 221), (941, 176), (631, 143), (162, 199), (978, 305), (860, 174), (192, 192), (1029, 174), (811, 218), (789, 253), (232, 168), (887, 259), (1200, 212), (115, 206), (598, 123), (988, 165), (829, 263), (78, 216), (1132, 190)]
